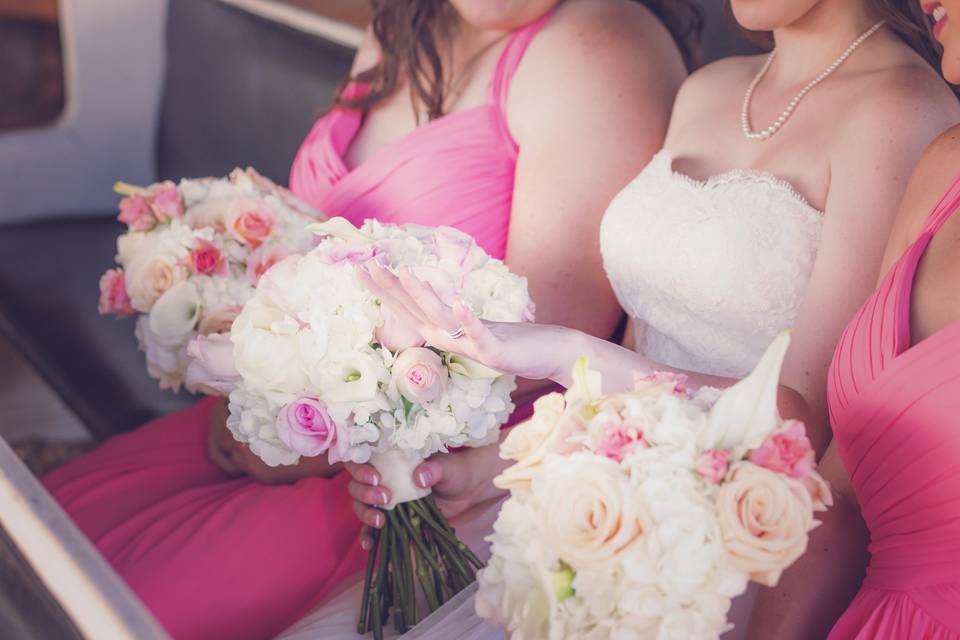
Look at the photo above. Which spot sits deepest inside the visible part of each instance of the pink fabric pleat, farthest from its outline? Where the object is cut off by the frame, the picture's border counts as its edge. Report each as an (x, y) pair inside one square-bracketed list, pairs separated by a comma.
[(220, 557), (894, 408)]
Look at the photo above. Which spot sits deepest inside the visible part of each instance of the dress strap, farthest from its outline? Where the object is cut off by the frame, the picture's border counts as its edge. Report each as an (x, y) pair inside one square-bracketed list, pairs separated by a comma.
[(508, 63), (949, 202)]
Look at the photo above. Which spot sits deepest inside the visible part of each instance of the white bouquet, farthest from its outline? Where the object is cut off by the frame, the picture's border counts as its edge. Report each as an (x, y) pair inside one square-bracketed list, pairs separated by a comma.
[(651, 509), (191, 258), (320, 367)]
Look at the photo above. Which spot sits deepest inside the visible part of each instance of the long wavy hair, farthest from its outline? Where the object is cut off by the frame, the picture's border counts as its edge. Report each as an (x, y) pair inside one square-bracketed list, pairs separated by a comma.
[(407, 32), (904, 17)]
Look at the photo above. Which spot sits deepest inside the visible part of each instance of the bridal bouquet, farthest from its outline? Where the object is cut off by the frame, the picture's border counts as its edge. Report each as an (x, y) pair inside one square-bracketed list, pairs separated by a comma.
[(319, 367), (191, 258), (650, 510)]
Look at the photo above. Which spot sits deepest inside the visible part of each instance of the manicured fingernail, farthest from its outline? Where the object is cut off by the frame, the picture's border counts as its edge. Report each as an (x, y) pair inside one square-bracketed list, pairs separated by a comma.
[(381, 497), (378, 520), (423, 478), (365, 544), (374, 480)]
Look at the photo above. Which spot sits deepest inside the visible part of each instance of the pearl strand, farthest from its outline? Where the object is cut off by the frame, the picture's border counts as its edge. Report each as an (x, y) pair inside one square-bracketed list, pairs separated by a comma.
[(785, 115)]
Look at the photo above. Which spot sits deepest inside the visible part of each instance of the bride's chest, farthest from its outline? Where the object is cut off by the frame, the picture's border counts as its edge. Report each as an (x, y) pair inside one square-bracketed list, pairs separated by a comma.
[(739, 244)]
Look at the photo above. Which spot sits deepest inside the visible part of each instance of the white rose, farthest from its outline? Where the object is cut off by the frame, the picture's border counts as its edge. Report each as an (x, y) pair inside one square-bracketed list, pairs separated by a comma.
[(149, 276)]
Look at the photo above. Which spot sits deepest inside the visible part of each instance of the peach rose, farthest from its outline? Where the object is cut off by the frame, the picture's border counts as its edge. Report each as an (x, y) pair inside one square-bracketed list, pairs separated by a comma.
[(262, 259), (590, 513), (530, 442), (419, 375), (149, 277), (249, 222), (765, 518)]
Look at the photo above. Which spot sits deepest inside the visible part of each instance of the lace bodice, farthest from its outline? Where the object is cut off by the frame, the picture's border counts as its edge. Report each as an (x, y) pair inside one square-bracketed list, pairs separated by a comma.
[(711, 270)]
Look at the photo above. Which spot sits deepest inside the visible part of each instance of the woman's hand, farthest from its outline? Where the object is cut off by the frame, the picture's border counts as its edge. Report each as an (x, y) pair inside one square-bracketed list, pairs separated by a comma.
[(457, 481), (528, 350), (235, 458)]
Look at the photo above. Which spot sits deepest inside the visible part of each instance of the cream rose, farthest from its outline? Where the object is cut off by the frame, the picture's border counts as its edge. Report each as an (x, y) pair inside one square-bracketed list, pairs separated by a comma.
[(150, 276), (529, 442), (764, 518), (590, 514)]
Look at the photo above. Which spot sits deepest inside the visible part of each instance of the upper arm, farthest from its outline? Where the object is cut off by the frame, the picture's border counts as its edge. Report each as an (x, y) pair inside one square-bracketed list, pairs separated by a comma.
[(869, 168), (588, 108)]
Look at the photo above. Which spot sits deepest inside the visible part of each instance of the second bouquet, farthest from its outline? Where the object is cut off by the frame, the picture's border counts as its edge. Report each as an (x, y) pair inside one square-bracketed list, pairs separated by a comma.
[(318, 367)]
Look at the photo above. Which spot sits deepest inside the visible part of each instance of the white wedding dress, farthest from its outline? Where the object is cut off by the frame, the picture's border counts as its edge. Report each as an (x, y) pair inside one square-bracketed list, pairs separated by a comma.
[(711, 270)]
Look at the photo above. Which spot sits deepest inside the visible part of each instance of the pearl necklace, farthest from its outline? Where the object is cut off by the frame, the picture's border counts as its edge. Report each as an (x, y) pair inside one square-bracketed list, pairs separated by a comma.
[(785, 115)]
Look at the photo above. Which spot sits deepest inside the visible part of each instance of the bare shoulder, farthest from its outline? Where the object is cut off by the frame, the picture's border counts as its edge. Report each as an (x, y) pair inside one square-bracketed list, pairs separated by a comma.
[(906, 101), (937, 168), (602, 39), (612, 55), (712, 83)]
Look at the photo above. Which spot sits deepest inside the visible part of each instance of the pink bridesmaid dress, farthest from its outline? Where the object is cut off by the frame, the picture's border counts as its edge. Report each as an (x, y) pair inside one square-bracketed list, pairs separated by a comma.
[(214, 556), (894, 409)]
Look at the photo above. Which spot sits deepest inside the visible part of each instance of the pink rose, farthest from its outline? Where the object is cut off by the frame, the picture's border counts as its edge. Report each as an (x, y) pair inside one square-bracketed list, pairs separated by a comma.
[(211, 369), (787, 450), (395, 333), (207, 260), (306, 427), (713, 465), (166, 202), (262, 259), (419, 375), (249, 222), (618, 439), (113, 294), (135, 212)]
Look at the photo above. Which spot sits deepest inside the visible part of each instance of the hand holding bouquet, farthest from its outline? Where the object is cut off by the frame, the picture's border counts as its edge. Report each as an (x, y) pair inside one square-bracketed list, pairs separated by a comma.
[(651, 509), (319, 367), (191, 258)]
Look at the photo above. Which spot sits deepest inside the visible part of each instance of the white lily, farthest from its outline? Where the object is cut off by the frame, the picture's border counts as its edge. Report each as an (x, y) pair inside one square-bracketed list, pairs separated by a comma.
[(175, 313), (587, 384), (339, 228), (746, 413), (469, 368)]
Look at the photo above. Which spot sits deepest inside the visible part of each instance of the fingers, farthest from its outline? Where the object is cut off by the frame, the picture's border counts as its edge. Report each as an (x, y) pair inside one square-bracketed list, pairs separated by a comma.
[(366, 539), (223, 461), (436, 311), (367, 494), (364, 473), (428, 474), (474, 328), (390, 291), (368, 515)]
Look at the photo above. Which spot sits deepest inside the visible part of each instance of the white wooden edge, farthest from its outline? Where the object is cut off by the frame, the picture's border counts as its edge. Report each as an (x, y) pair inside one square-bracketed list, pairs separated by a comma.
[(91, 593), (302, 20)]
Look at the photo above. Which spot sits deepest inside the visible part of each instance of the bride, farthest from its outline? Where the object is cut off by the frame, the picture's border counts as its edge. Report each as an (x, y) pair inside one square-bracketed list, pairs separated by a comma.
[(768, 207)]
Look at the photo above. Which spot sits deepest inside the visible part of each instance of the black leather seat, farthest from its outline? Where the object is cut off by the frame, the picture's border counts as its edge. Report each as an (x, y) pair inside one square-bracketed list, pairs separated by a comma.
[(239, 91)]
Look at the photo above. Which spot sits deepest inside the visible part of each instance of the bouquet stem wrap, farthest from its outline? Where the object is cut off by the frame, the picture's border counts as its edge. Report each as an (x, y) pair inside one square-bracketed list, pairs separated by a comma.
[(416, 562)]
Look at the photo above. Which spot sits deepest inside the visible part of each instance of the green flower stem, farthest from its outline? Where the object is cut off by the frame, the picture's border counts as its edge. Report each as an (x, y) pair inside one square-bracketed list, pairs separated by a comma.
[(407, 580), (375, 591), (362, 626), (441, 522)]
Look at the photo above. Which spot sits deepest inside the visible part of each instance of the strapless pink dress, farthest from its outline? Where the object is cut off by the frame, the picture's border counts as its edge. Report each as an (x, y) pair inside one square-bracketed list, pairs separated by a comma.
[(894, 409), (220, 557)]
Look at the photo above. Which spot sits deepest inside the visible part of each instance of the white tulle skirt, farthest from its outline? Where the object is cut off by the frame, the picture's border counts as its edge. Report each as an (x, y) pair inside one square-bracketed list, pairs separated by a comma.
[(336, 618)]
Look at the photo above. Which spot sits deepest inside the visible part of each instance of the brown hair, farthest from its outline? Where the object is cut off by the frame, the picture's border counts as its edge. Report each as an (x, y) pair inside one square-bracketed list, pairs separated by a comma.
[(904, 17), (407, 31)]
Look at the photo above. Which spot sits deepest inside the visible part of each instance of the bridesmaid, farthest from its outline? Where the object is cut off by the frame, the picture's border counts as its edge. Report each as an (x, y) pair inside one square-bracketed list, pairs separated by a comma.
[(514, 121), (893, 536)]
